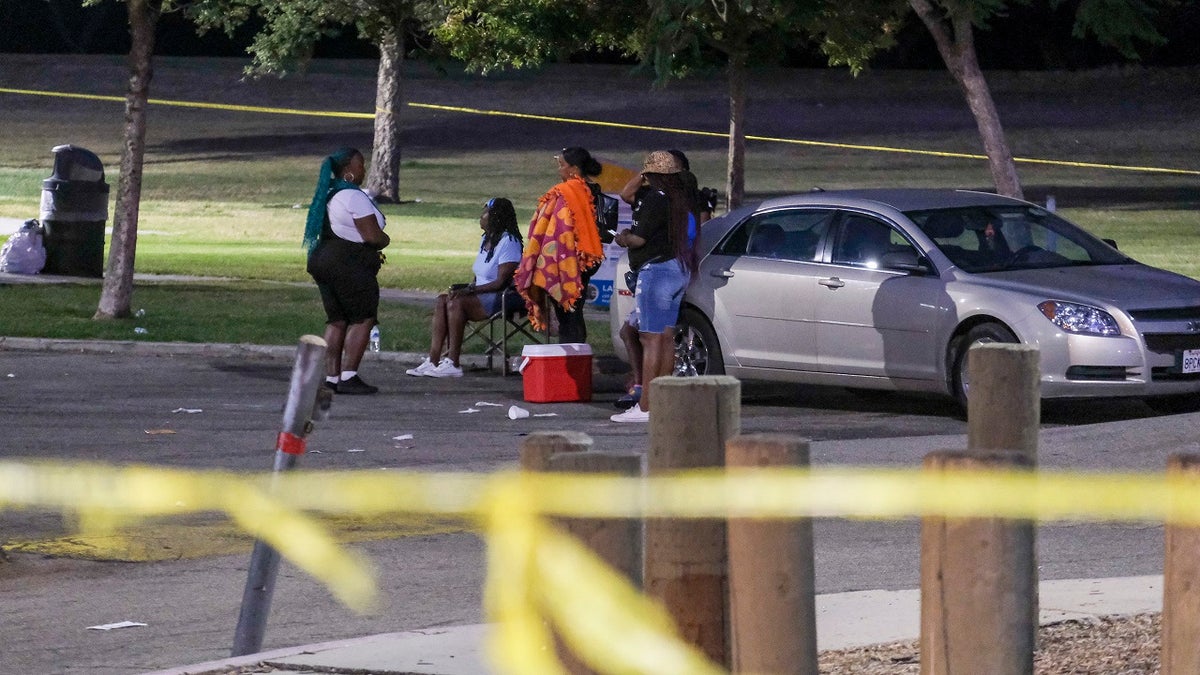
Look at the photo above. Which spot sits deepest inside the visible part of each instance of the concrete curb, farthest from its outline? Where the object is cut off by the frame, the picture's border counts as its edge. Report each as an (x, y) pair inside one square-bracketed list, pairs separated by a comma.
[(222, 665), (186, 349), (601, 364)]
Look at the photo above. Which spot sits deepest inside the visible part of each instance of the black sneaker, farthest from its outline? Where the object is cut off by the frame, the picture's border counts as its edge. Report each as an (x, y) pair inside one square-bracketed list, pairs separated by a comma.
[(355, 385)]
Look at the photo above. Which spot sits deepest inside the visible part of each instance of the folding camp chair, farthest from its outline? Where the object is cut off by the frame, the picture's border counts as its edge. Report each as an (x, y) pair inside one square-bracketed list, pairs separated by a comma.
[(499, 331)]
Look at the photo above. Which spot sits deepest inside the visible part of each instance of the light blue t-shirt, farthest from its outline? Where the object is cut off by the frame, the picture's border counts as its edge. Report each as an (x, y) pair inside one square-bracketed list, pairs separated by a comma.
[(508, 250)]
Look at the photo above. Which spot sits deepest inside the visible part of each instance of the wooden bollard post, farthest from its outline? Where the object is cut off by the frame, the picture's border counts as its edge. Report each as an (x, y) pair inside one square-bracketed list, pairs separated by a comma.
[(1004, 411), (539, 446), (978, 586), (685, 560), (772, 598), (1181, 583), (538, 450), (1004, 404), (617, 541)]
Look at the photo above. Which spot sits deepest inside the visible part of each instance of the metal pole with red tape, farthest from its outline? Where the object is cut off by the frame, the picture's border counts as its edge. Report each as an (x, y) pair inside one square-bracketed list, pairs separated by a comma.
[(307, 400)]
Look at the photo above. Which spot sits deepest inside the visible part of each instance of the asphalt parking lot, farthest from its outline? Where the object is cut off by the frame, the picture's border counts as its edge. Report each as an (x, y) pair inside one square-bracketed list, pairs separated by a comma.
[(215, 407)]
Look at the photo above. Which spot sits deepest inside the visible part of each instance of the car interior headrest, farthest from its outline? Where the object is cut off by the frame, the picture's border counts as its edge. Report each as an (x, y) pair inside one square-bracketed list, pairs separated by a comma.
[(767, 238), (943, 225)]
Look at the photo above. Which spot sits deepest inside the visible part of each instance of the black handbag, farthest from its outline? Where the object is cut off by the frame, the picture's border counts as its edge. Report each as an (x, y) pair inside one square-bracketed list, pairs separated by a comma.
[(631, 280), (606, 213)]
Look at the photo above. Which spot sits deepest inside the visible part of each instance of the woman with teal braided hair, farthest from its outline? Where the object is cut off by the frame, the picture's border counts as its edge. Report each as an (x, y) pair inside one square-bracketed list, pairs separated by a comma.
[(344, 236)]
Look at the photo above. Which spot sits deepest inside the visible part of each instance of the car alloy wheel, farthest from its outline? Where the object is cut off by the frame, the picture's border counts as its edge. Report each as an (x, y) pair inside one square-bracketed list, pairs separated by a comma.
[(983, 333), (697, 351)]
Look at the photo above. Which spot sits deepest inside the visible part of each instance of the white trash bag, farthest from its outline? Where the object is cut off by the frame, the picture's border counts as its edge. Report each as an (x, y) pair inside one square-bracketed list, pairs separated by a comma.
[(24, 253)]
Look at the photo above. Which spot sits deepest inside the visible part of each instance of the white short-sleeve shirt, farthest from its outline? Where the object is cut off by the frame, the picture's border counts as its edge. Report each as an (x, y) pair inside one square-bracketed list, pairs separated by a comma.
[(347, 205), (508, 250)]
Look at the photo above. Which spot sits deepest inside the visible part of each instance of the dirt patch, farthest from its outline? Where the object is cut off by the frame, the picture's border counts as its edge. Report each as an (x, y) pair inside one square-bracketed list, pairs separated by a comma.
[(1121, 644)]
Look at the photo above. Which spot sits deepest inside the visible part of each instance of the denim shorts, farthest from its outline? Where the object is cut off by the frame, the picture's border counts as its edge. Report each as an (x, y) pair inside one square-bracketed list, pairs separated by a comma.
[(659, 292), (490, 302)]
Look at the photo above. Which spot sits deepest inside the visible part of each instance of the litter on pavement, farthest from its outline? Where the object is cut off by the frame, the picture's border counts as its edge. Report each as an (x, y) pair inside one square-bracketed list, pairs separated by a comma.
[(119, 624)]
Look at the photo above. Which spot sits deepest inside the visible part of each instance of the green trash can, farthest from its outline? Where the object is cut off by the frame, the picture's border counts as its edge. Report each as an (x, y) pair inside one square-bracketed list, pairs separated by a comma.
[(74, 212)]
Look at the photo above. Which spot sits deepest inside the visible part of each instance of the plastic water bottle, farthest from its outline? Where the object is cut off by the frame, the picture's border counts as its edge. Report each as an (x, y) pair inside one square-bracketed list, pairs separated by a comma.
[(374, 338)]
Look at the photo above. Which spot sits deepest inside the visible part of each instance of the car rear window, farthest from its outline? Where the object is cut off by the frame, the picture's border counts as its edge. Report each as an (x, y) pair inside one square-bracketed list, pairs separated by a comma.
[(786, 234)]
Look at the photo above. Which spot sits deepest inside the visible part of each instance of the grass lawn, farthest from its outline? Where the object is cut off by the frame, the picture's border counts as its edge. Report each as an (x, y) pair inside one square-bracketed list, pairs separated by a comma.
[(225, 193), (241, 312)]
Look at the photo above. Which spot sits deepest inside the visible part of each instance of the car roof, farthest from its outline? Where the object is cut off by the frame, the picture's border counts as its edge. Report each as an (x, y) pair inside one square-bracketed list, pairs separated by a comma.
[(900, 199)]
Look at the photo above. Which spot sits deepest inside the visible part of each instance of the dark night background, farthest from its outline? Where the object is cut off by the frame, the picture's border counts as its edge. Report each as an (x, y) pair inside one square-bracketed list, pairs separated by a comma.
[(1028, 38)]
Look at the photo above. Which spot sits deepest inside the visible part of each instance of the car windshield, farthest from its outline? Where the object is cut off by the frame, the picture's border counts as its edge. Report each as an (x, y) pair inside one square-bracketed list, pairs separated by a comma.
[(999, 238)]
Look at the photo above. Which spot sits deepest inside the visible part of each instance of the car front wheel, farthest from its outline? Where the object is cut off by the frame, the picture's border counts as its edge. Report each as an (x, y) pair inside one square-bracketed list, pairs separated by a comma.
[(984, 333), (697, 351)]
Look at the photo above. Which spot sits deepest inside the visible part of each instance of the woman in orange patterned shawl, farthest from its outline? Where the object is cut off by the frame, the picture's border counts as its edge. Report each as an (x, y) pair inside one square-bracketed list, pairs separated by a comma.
[(563, 247)]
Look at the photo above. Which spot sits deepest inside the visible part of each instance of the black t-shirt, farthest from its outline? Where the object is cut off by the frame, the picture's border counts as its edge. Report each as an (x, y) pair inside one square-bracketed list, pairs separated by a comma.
[(651, 221)]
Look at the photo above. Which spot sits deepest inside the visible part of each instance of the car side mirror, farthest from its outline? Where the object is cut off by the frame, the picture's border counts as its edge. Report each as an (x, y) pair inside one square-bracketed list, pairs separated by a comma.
[(1110, 242), (905, 261)]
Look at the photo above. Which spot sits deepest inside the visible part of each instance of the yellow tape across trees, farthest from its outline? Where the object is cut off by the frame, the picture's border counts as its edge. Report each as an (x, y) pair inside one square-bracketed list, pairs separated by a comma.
[(539, 578), (602, 123)]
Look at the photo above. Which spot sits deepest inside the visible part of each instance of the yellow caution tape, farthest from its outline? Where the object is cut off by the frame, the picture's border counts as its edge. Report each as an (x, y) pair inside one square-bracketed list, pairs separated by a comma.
[(601, 123), (541, 581), (195, 104), (797, 141), (105, 498), (537, 574)]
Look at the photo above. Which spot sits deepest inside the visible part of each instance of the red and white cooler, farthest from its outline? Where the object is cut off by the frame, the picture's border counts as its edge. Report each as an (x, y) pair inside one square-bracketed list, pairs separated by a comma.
[(557, 372)]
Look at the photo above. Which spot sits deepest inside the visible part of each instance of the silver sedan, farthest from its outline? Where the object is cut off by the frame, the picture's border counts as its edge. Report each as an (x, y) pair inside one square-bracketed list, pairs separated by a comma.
[(888, 289)]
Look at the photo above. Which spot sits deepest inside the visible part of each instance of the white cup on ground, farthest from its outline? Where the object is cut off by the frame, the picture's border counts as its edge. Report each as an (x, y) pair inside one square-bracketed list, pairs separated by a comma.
[(516, 413)]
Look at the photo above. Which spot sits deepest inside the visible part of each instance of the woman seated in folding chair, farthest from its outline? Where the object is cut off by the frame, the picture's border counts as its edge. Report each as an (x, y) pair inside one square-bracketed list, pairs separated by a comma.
[(499, 253)]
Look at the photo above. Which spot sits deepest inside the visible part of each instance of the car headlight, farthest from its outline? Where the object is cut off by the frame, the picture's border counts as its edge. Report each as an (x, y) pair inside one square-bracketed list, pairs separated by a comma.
[(1082, 319)]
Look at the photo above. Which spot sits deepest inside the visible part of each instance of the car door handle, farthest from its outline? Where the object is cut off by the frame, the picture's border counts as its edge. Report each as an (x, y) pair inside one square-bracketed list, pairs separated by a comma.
[(722, 273), (832, 282)]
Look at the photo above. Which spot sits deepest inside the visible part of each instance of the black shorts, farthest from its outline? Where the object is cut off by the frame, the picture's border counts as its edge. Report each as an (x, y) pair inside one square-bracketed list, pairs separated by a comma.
[(345, 272)]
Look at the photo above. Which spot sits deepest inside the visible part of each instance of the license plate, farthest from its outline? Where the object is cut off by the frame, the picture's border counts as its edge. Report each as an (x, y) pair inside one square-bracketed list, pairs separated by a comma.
[(1189, 361)]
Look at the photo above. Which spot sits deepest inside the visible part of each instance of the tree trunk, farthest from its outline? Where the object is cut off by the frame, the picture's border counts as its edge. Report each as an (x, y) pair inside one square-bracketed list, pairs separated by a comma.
[(735, 185), (117, 292), (384, 179), (956, 44)]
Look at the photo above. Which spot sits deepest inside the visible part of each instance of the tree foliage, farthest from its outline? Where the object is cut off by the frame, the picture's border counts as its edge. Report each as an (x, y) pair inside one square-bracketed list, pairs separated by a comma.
[(1127, 25), (689, 35), (291, 28), (490, 35), (676, 38)]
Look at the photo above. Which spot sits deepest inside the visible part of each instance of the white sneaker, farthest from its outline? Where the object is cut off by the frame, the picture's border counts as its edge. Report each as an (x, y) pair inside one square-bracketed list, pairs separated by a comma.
[(422, 370), (634, 414), (445, 368)]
